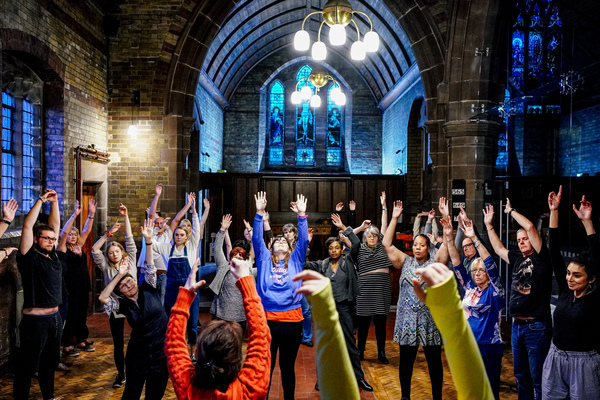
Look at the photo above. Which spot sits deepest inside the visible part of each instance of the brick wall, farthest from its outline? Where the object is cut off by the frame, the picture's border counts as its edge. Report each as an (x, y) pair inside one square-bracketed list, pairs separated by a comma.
[(211, 132)]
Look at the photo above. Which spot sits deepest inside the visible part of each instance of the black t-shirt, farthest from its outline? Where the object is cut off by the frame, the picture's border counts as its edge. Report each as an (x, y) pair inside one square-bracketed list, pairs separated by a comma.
[(42, 279), (531, 284), (77, 277)]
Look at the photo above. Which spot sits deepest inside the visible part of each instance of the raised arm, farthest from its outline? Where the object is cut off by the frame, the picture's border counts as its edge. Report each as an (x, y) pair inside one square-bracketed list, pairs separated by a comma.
[(109, 233), (123, 269), (299, 252), (488, 219), (157, 192), (584, 213), (452, 251), (205, 212), (396, 256), (54, 217), (429, 223), (352, 214), (62, 245), (8, 214), (31, 218), (442, 255), (338, 207), (365, 224), (89, 222), (257, 232), (125, 214), (189, 201), (532, 233), (384, 213), (558, 263), (220, 257)]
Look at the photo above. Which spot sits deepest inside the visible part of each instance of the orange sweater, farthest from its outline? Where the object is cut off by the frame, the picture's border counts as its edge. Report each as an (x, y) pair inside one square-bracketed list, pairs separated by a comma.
[(253, 380)]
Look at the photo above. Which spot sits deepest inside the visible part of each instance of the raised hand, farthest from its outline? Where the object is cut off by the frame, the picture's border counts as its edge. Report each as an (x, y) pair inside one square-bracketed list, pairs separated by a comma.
[(147, 228), (240, 268), (123, 210), (299, 206), (226, 222), (431, 238), (443, 207), (554, 199), (261, 202), (397, 209), (352, 205), (191, 199), (78, 208), (165, 222), (508, 207), (467, 228), (339, 207), (9, 209), (365, 224), (9, 250), (312, 282), (432, 275), (206, 203), (336, 220), (115, 227), (447, 227), (92, 206), (123, 266), (431, 215), (382, 199), (266, 217), (311, 233), (585, 210), (190, 283), (247, 225), (50, 195), (488, 215), (158, 190)]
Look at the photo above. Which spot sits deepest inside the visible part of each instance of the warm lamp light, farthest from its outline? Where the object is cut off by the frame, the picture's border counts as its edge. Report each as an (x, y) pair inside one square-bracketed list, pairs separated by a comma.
[(358, 52), (319, 51), (306, 92), (337, 35), (315, 101), (301, 40), (371, 40)]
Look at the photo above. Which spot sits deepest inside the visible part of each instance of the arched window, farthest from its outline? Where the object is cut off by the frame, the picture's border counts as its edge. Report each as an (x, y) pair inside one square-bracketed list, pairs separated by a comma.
[(305, 124), (21, 139), (276, 123), (334, 131), (536, 44)]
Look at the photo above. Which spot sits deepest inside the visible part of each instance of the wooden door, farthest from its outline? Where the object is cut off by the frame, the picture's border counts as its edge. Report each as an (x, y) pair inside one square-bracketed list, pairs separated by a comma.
[(88, 192)]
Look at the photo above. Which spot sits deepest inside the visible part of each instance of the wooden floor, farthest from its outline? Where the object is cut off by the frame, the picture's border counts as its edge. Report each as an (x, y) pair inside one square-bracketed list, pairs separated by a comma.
[(92, 374)]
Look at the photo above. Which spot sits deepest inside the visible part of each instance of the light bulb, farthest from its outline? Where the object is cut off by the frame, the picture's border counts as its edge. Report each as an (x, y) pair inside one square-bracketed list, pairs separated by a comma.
[(335, 93), (296, 97), (132, 129), (337, 35), (306, 92), (319, 51), (341, 99), (357, 52), (371, 40), (301, 40), (315, 101)]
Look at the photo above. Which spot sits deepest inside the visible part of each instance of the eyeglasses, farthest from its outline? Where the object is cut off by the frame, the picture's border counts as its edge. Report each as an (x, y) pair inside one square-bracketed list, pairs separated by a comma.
[(49, 239), (478, 271), (467, 245), (128, 284)]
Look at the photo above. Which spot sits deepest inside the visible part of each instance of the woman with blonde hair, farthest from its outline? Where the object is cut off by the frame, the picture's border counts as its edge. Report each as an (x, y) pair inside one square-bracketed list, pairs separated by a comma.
[(109, 266)]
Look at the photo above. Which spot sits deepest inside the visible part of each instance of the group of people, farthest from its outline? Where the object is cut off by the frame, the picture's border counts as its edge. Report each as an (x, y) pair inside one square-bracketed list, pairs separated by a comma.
[(265, 287)]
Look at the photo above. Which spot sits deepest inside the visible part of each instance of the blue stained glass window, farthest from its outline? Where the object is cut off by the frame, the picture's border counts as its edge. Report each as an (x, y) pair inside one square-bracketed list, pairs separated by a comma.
[(28, 163), (305, 156), (8, 156), (334, 131), (536, 54), (305, 123), (276, 123), (502, 159)]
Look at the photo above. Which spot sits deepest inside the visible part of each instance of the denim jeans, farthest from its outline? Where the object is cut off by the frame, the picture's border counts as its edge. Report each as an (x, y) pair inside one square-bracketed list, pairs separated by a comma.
[(530, 345), (306, 324)]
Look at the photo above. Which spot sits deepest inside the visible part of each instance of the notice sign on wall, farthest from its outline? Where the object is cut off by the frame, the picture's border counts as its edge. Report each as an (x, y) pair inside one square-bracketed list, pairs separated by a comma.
[(459, 198)]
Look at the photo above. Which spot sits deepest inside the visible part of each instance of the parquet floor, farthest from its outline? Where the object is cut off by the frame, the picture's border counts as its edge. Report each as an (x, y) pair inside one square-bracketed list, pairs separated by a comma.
[(92, 374)]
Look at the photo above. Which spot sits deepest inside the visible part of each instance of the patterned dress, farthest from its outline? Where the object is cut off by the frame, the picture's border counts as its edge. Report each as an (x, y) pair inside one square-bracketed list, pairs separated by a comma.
[(375, 288), (414, 323)]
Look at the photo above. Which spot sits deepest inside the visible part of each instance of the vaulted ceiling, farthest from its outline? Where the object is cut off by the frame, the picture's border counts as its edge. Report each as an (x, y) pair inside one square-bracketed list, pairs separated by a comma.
[(256, 29)]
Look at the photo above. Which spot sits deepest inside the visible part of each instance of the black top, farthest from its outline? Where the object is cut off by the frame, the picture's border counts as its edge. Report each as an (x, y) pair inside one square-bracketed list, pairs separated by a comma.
[(531, 284), (42, 279), (576, 320), (147, 318), (343, 282), (77, 277)]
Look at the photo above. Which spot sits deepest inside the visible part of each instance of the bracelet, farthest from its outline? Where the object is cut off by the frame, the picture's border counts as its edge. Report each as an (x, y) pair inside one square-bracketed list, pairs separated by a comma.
[(108, 234), (7, 222), (148, 244), (448, 240), (43, 199), (510, 212), (90, 217), (384, 209)]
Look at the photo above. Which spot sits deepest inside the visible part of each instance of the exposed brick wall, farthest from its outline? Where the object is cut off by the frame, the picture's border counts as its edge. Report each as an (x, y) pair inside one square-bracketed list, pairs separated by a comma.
[(211, 132)]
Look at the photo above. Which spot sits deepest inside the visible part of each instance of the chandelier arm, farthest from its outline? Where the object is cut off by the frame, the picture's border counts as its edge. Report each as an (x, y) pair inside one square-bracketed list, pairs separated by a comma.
[(366, 15), (319, 35), (312, 13), (300, 80), (357, 30)]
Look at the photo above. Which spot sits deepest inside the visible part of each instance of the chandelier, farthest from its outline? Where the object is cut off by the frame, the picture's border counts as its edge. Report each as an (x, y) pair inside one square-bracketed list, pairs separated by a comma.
[(318, 80), (337, 14)]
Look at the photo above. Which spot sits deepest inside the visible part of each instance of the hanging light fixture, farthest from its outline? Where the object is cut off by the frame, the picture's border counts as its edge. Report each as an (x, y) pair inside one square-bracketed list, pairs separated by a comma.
[(132, 130), (337, 14), (318, 80)]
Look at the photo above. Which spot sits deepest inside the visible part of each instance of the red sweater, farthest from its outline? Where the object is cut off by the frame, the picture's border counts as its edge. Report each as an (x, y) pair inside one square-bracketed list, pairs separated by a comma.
[(253, 380)]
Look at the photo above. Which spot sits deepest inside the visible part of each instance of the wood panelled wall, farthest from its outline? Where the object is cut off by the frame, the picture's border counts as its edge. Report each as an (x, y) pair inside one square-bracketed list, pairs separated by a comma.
[(234, 194)]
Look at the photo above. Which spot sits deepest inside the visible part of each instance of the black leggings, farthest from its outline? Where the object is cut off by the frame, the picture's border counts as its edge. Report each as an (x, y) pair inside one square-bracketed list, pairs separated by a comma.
[(117, 327), (433, 355), (363, 331), (285, 336)]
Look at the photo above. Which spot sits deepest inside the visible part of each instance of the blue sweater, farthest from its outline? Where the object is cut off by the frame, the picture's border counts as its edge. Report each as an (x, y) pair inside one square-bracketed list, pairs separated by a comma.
[(274, 283)]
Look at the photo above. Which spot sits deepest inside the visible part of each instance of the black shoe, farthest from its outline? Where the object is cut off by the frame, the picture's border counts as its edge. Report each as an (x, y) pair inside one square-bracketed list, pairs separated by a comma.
[(361, 355), (119, 381), (382, 358), (308, 343), (364, 385), (317, 386)]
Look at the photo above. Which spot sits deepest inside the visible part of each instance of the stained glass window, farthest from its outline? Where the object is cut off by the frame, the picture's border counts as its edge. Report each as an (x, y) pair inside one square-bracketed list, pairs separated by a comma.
[(276, 123), (536, 44), (305, 123), (8, 150), (28, 161), (334, 131)]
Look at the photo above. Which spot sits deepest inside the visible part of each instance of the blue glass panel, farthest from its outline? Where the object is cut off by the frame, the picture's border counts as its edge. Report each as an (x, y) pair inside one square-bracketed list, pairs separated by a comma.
[(535, 55), (334, 157), (8, 100), (276, 116), (518, 59), (334, 122), (303, 73), (305, 125), (535, 17), (276, 156), (305, 155)]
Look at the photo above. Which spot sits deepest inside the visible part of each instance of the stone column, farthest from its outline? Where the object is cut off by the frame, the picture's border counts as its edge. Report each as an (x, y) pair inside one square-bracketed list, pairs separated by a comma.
[(471, 156)]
